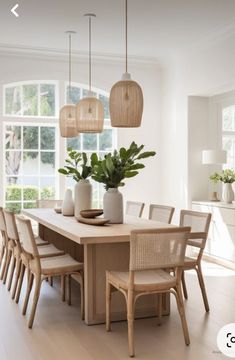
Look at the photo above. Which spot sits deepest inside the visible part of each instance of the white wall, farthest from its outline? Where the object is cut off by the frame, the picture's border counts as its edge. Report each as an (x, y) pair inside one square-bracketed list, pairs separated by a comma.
[(17, 67)]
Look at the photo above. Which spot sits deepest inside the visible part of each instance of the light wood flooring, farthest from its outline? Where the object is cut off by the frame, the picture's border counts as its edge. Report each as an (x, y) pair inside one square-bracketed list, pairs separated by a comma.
[(59, 333)]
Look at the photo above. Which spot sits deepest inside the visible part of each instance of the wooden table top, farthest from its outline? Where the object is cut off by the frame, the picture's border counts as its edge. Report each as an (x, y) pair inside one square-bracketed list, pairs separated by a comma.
[(90, 234)]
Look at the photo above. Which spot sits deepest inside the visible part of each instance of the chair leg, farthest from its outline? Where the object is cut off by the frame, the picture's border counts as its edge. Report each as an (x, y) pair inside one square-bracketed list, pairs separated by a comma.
[(63, 287), (3, 265), (2, 255), (180, 305), (51, 280), (13, 264), (130, 320), (159, 299), (8, 261), (37, 289), (184, 286), (68, 278), (21, 278), (28, 291), (82, 298), (17, 275), (203, 288), (108, 305)]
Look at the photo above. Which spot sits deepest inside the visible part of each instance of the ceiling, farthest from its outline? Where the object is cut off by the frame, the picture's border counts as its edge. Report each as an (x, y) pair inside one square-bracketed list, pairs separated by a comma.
[(157, 28)]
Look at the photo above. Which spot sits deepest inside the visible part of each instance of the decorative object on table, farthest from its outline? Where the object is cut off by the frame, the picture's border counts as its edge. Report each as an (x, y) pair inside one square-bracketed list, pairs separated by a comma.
[(112, 170), (93, 221), (214, 157), (58, 210), (90, 110), (227, 177), (126, 98), (68, 128), (68, 204), (77, 168), (91, 213)]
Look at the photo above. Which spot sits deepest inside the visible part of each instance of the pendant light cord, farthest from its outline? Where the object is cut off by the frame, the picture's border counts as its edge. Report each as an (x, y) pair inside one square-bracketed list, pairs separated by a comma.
[(126, 18), (90, 53), (70, 66)]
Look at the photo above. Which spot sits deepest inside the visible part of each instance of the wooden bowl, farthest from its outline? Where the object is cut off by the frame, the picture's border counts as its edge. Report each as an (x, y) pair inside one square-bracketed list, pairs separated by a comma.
[(94, 221), (91, 213)]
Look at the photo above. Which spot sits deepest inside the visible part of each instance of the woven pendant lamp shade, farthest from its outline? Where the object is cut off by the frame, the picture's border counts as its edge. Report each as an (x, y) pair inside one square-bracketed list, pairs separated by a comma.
[(90, 115), (126, 104), (68, 127)]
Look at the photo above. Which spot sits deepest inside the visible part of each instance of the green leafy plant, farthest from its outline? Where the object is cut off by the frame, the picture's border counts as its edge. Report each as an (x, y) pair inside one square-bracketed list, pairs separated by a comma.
[(76, 165), (227, 176), (122, 164)]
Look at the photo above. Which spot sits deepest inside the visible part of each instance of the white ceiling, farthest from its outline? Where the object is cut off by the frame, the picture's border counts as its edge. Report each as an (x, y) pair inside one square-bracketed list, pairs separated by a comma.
[(157, 28)]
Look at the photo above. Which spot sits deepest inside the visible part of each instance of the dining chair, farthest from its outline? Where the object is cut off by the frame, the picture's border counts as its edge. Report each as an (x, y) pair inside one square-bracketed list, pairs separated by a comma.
[(42, 268), (152, 254), (48, 203), (4, 248), (17, 258), (161, 213), (134, 208), (199, 223)]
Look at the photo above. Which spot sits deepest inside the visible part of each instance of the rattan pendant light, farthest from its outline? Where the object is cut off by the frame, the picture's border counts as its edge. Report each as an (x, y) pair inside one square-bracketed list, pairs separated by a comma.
[(126, 98), (67, 119), (90, 110)]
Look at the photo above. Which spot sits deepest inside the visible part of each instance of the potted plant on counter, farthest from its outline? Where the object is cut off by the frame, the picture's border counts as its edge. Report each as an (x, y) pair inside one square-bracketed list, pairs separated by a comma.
[(112, 170), (77, 167), (227, 177)]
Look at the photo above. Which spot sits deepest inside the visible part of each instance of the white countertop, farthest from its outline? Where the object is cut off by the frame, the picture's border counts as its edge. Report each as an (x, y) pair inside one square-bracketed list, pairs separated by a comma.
[(215, 204)]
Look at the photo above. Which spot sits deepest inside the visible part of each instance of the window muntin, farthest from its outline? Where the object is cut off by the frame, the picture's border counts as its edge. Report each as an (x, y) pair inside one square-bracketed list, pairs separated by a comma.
[(228, 135)]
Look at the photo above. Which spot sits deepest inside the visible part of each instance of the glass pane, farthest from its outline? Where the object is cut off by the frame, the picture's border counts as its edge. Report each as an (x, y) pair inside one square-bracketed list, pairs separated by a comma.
[(105, 101), (30, 163), (29, 205), (70, 183), (85, 92), (13, 189), (47, 100), (16, 207), (13, 100), (89, 142), (30, 137), (229, 146), (30, 181), (48, 188), (47, 138), (30, 100), (13, 161), (47, 163), (13, 137), (75, 95), (228, 117), (106, 140), (30, 192), (74, 143)]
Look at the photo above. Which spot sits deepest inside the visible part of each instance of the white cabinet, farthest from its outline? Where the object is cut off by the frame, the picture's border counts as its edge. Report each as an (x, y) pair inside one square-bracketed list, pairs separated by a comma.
[(221, 238)]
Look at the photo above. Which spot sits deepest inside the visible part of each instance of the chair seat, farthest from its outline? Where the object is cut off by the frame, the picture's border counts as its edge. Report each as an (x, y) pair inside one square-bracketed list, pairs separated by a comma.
[(144, 280), (40, 242), (49, 250), (189, 262), (58, 265)]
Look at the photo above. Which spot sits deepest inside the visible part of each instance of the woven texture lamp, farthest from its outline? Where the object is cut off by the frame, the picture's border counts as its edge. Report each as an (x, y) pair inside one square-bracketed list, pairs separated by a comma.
[(126, 97), (90, 110), (67, 117)]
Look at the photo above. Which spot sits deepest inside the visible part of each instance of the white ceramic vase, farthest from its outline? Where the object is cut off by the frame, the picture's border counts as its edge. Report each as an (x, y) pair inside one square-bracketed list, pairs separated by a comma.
[(82, 197), (113, 206), (68, 204), (228, 194)]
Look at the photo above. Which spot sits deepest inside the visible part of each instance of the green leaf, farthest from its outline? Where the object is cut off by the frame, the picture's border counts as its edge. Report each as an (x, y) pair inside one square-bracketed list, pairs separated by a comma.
[(146, 155), (130, 174), (63, 171)]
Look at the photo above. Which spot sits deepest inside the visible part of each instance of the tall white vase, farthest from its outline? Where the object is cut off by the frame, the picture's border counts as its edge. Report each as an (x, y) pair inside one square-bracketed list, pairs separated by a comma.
[(82, 196), (113, 206), (228, 194), (68, 204)]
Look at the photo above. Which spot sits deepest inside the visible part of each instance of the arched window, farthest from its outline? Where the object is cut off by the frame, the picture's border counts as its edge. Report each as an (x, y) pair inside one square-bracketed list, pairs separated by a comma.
[(33, 149)]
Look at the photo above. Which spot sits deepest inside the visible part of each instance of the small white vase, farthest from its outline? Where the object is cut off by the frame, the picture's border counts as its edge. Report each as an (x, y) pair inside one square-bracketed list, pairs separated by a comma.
[(68, 204), (82, 196), (113, 206), (228, 194)]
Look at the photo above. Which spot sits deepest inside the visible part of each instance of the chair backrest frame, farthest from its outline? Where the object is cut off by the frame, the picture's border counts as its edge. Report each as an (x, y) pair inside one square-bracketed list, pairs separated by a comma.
[(167, 209), (3, 228), (11, 228), (139, 208)]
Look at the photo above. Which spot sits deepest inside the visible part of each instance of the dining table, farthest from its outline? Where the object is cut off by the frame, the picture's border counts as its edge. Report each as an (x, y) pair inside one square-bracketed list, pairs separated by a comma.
[(100, 248)]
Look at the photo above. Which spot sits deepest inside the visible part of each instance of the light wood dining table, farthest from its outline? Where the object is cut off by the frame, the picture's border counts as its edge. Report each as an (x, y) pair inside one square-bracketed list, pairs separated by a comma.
[(101, 248)]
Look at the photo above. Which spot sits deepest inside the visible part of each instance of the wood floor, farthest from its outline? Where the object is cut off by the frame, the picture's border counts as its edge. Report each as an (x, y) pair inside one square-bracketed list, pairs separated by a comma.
[(59, 333)]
